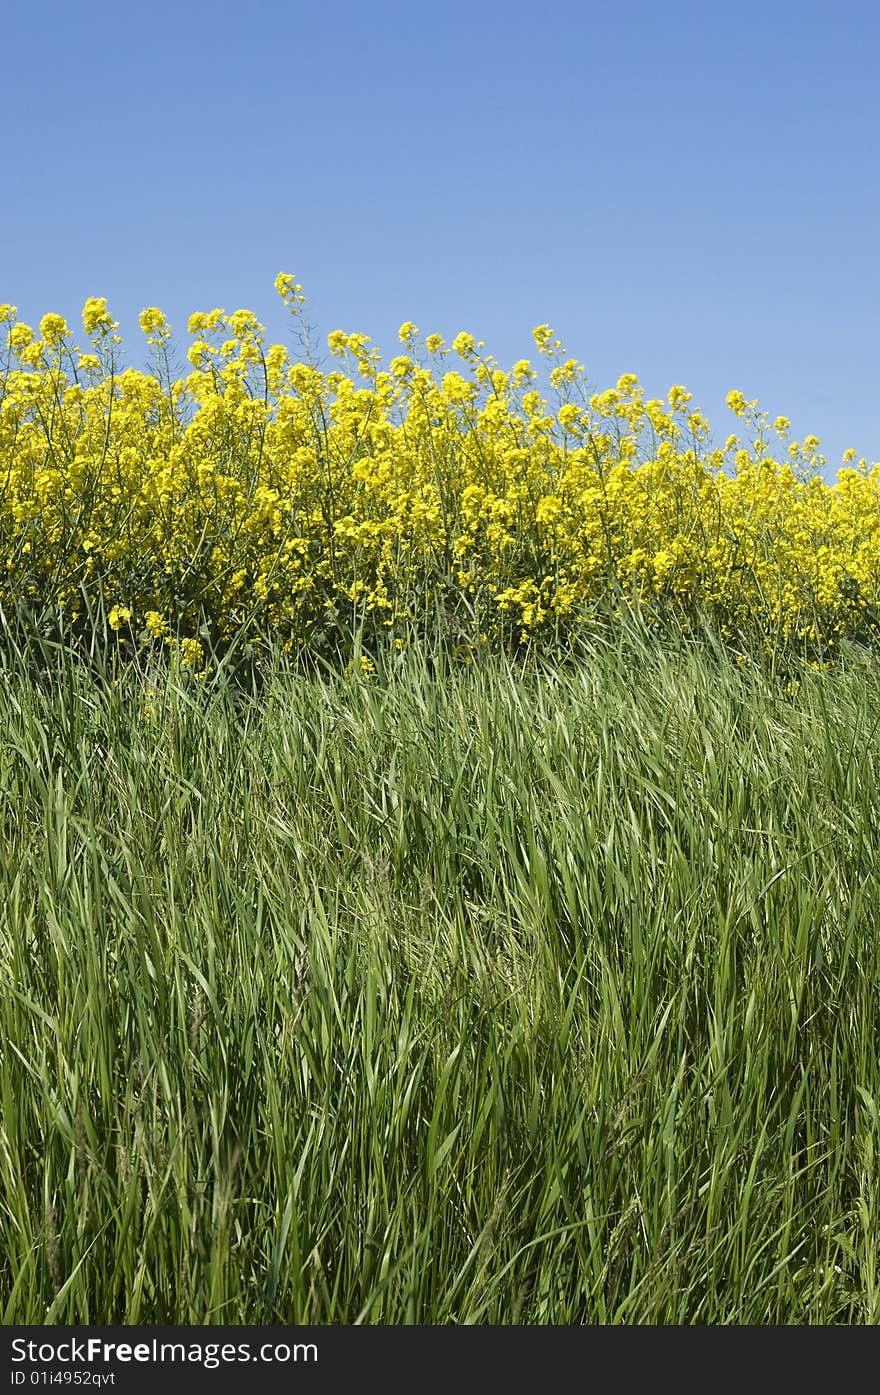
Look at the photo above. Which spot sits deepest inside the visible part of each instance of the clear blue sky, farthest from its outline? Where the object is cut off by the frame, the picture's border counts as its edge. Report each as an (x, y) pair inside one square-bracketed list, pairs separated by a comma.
[(687, 191)]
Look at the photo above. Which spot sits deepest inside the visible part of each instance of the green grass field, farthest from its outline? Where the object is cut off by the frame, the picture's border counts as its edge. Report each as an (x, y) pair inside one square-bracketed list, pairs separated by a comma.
[(481, 994)]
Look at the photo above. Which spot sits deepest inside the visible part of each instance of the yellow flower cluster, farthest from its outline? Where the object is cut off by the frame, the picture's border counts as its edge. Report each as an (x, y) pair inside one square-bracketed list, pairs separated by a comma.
[(311, 501)]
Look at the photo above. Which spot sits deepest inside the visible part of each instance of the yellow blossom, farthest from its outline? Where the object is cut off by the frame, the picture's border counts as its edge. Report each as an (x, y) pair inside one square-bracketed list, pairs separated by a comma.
[(463, 344), (53, 328), (95, 316), (542, 335), (20, 336), (119, 615)]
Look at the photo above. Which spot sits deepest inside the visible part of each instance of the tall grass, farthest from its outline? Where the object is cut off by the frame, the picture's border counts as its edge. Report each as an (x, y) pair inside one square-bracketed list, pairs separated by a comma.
[(471, 994)]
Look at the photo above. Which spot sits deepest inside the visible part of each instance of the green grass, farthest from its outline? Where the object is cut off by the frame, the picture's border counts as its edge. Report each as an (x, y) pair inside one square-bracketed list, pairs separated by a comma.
[(482, 995)]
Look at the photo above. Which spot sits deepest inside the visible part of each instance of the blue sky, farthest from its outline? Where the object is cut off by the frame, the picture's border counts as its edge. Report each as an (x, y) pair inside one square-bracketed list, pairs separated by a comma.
[(684, 191)]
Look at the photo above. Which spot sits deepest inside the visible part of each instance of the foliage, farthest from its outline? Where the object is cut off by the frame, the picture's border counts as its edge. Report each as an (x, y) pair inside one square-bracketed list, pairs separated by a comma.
[(477, 993)]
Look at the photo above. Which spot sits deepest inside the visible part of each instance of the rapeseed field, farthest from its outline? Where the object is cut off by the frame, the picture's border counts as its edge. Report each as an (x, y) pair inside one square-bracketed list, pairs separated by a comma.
[(499, 506)]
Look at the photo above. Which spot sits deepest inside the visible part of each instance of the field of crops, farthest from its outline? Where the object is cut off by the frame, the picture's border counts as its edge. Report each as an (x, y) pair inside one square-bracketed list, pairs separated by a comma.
[(439, 871), (297, 504), (459, 994)]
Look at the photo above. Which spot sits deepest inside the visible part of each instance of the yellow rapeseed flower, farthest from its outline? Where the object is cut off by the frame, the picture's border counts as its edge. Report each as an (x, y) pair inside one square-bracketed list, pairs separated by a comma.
[(53, 328), (95, 316), (20, 336), (543, 336), (119, 615)]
